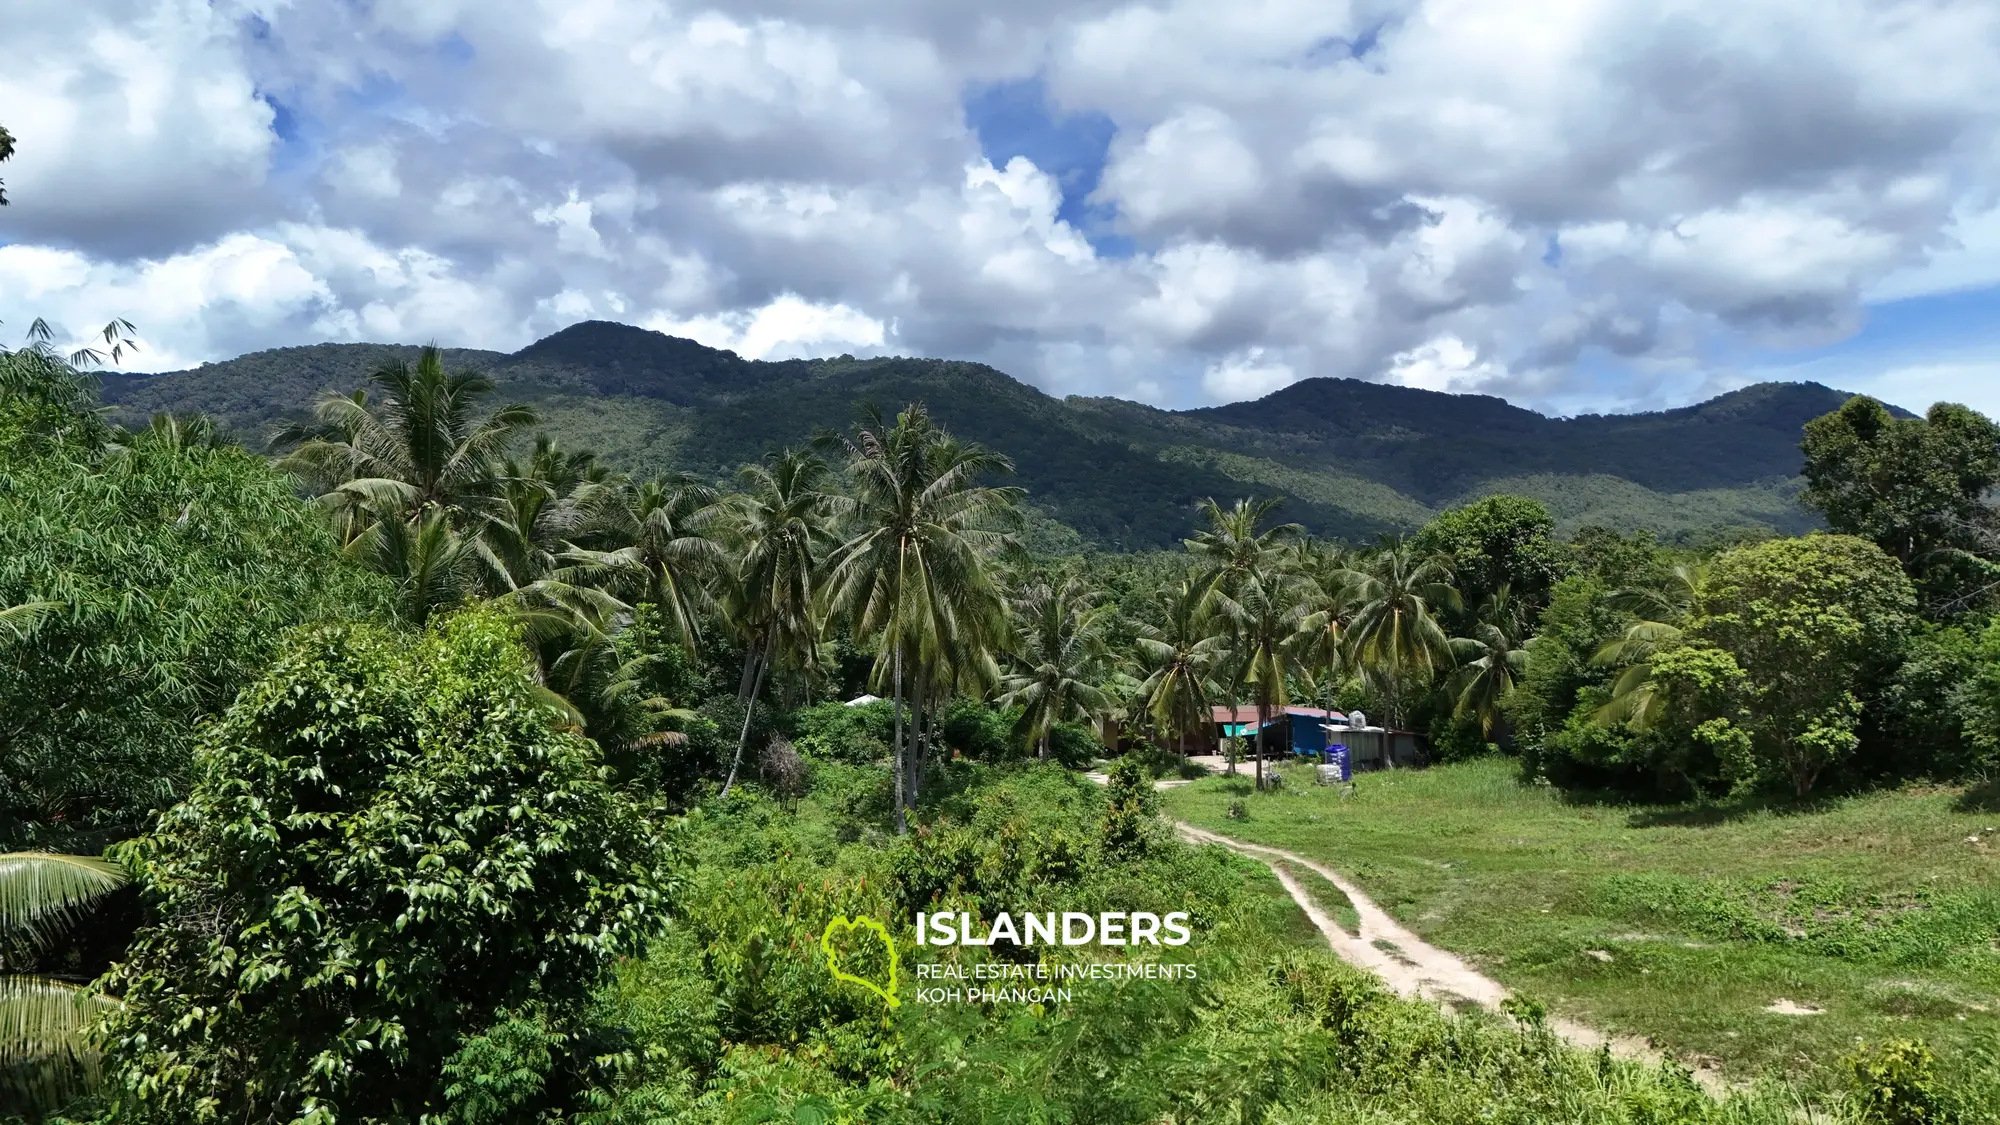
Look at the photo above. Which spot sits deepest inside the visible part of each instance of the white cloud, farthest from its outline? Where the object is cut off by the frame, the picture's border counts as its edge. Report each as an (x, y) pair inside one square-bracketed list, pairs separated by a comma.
[(1247, 375), (787, 328), (780, 177), (1444, 364)]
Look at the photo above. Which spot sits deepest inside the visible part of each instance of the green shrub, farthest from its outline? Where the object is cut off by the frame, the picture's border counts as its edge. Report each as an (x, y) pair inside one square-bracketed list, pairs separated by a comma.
[(835, 732), (980, 732), (1897, 1084), (405, 874)]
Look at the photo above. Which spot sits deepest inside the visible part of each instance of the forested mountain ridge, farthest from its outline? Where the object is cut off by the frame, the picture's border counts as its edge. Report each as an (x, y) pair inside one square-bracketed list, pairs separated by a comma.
[(1351, 458)]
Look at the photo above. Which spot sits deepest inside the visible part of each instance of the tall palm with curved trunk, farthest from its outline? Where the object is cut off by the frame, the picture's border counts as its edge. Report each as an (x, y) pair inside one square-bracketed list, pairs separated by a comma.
[(45, 1055), (1180, 658), (917, 570), (1491, 660), (1254, 596), (1325, 637), (419, 443), (1396, 636), (1062, 657), (782, 533), (665, 550)]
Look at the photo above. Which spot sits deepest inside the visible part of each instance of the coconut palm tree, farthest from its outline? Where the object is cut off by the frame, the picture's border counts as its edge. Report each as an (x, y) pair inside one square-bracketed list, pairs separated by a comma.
[(1180, 658), (664, 550), (1265, 613), (1324, 645), (1662, 613), (1396, 636), (542, 505), (419, 443), (45, 1057), (1254, 597), (1490, 661), (782, 532), (1235, 543), (432, 565), (1062, 658), (917, 570)]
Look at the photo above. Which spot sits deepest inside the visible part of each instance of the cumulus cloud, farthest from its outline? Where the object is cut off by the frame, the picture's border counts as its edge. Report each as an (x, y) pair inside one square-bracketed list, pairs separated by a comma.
[(1593, 202)]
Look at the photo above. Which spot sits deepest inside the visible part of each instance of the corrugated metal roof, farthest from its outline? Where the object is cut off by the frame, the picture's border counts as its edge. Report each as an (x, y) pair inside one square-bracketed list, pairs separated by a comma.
[(1249, 714)]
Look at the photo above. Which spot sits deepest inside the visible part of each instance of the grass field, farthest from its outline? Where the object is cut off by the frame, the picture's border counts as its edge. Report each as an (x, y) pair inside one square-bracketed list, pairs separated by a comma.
[(1701, 927)]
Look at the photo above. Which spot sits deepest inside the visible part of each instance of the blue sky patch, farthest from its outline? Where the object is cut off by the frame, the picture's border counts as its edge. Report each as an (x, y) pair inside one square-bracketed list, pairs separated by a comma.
[(1016, 119)]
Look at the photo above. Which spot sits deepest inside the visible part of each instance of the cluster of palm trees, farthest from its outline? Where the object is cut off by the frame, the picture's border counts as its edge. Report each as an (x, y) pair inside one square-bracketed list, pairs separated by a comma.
[(889, 535), (1267, 615), (905, 558)]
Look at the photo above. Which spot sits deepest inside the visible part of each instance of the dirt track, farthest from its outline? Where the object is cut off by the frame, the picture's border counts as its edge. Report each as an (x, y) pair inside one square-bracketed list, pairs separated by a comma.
[(1408, 964)]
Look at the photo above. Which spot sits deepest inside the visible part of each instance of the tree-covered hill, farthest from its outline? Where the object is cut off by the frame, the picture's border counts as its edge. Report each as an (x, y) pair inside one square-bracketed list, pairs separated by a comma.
[(1350, 458)]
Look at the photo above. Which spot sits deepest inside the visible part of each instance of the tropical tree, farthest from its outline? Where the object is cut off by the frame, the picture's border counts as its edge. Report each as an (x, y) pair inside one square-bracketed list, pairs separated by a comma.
[(1662, 612), (1812, 623), (6, 154), (45, 1056), (1180, 658), (432, 565), (1915, 487), (665, 552), (1235, 543), (404, 869), (1062, 658), (421, 444), (782, 534), (541, 505), (1397, 639), (1325, 648), (178, 566), (1266, 614), (1489, 661), (916, 574)]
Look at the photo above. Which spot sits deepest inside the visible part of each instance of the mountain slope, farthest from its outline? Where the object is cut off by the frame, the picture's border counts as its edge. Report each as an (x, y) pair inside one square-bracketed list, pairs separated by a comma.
[(1350, 458)]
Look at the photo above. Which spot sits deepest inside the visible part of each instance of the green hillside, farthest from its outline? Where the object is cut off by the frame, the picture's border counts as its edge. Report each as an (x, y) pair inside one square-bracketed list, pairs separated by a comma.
[(1350, 458)]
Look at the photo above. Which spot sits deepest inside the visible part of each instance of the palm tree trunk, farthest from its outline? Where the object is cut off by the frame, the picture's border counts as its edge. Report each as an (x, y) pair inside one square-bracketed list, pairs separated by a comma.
[(1263, 719), (743, 682), (902, 822), (750, 707), (915, 763)]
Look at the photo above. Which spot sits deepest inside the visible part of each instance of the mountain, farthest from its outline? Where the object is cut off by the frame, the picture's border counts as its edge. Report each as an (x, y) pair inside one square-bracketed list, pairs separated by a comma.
[(1350, 458)]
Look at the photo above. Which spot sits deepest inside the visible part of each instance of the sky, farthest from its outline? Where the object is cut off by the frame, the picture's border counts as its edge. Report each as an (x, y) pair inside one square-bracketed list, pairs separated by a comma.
[(1578, 205)]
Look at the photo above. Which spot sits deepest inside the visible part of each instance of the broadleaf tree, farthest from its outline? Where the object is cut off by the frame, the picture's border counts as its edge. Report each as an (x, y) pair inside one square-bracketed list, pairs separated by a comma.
[(393, 851)]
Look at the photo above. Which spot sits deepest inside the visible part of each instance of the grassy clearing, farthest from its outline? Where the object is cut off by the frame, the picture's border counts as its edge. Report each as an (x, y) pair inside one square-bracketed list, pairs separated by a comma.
[(1705, 928), (1327, 897)]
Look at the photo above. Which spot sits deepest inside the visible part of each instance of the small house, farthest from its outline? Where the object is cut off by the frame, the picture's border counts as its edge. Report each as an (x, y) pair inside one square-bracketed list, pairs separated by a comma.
[(1294, 730)]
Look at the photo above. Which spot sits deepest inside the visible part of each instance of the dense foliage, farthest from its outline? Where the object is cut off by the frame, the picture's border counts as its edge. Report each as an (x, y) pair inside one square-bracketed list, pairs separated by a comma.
[(397, 880), (394, 867), (1351, 459), (166, 567)]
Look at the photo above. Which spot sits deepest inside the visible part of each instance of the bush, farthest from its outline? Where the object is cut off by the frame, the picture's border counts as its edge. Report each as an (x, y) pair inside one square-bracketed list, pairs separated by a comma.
[(835, 732), (980, 733), (394, 872), (1074, 746), (1897, 1085)]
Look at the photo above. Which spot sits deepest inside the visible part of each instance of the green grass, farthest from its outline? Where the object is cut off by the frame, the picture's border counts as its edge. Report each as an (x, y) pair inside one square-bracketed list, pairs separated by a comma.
[(1682, 923), (1327, 897)]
